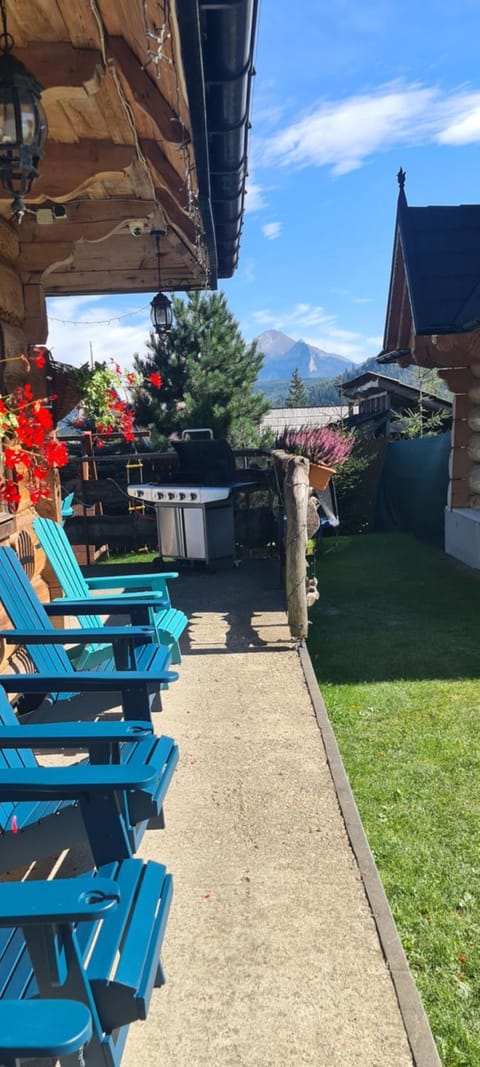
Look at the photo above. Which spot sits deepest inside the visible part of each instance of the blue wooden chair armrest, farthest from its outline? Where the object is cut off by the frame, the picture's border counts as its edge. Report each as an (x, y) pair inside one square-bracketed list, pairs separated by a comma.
[(66, 900), (154, 583), (100, 605), (133, 635), (73, 735), (42, 1028), (27, 783), (83, 681)]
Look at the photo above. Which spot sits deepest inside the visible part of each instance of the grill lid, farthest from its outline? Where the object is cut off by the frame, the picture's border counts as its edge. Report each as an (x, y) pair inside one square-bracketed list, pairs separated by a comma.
[(205, 462)]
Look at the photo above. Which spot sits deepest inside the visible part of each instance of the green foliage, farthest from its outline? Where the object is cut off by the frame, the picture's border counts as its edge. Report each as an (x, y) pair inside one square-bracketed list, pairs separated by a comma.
[(326, 392), (399, 674), (96, 384), (353, 489), (297, 394), (417, 422), (208, 374)]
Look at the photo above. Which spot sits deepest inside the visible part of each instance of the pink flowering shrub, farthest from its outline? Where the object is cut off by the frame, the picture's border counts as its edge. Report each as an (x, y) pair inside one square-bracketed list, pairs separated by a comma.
[(319, 444)]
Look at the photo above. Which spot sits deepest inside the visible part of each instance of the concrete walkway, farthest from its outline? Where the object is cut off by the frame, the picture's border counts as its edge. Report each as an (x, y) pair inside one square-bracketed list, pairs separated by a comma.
[(272, 955)]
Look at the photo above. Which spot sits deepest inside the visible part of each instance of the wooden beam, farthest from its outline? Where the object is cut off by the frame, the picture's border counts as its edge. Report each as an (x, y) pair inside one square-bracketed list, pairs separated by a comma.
[(67, 167), (37, 257), (177, 218), (58, 63), (87, 220), (145, 91), (174, 182), (102, 281), (72, 280), (459, 379)]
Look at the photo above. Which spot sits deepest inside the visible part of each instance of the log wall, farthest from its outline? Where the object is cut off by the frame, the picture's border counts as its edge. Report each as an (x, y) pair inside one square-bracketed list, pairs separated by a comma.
[(16, 528)]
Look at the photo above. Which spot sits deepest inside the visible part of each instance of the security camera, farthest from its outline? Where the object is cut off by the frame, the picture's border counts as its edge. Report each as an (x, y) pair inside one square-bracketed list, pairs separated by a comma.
[(136, 227)]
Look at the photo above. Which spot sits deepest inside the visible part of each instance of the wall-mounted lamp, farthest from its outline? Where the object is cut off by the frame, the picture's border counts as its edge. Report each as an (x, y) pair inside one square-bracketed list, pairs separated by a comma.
[(23, 126)]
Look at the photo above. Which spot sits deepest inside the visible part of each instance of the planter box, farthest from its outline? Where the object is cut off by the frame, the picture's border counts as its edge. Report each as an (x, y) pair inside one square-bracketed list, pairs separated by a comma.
[(319, 475)]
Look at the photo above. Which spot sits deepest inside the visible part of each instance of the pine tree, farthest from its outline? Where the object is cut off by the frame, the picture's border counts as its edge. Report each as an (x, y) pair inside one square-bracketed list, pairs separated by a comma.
[(297, 394), (208, 373)]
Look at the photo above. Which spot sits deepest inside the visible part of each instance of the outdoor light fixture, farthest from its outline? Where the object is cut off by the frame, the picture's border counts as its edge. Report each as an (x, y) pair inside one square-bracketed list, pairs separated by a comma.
[(160, 308), (23, 126)]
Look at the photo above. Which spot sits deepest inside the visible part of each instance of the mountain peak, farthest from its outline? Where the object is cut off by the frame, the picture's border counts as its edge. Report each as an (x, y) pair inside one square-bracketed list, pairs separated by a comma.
[(283, 355), (274, 342)]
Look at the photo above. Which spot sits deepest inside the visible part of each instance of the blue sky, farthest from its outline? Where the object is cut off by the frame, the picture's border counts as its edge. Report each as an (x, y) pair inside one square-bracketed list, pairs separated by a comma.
[(344, 95)]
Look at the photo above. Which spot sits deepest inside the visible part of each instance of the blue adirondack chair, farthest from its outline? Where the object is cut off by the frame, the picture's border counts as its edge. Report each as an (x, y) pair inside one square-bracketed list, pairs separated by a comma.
[(169, 622), (67, 507), (136, 669), (96, 940), (107, 799), (30, 1029)]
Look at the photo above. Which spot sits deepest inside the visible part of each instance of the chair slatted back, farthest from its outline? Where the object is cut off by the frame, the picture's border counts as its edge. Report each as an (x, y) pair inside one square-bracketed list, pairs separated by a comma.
[(61, 557), (26, 612)]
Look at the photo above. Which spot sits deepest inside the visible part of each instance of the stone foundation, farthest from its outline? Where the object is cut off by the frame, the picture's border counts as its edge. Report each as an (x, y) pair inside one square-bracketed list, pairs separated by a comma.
[(462, 535)]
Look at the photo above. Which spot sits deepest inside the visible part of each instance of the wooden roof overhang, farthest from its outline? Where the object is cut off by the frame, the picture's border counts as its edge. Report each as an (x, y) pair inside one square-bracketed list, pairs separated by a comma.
[(371, 384), (147, 106)]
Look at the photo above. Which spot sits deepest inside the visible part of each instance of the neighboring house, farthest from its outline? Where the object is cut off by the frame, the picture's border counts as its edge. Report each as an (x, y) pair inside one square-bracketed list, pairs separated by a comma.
[(374, 400), (279, 419), (433, 320)]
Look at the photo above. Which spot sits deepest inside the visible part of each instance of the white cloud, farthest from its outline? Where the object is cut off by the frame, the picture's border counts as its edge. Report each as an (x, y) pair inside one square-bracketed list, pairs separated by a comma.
[(94, 320), (249, 271), (464, 129), (362, 300), (254, 197), (343, 134), (272, 230), (313, 324)]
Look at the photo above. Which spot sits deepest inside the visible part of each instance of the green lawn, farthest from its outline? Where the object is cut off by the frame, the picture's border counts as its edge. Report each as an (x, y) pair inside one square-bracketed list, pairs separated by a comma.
[(395, 642)]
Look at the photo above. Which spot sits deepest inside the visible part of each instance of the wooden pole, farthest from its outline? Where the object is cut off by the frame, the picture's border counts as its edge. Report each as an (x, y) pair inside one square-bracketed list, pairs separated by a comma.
[(296, 487)]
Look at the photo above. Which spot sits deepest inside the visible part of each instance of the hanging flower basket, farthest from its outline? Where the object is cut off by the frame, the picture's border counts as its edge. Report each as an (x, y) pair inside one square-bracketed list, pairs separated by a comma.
[(65, 389), (319, 475)]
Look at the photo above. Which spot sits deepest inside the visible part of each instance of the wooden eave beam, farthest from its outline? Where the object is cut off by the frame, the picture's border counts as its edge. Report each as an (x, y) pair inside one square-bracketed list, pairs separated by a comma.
[(60, 64), (66, 167), (174, 183), (88, 220), (72, 281), (181, 222), (146, 91)]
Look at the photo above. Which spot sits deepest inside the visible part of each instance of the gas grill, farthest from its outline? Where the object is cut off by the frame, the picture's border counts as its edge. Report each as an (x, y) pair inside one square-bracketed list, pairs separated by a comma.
[(194, 512)]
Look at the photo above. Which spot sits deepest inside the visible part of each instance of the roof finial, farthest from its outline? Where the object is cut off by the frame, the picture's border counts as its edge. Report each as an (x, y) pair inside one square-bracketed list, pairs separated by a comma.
[(401, 177)]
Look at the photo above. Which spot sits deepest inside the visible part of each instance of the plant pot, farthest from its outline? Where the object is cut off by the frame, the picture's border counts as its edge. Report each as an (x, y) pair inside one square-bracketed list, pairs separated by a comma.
[(319, 475)]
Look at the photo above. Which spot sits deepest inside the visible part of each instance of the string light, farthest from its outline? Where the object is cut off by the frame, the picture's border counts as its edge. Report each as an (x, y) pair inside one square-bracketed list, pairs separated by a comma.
[(98, 322)]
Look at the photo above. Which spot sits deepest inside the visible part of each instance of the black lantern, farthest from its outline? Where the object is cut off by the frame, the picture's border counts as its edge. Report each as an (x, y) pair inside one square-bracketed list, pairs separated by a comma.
[(160, 308), (23, 126)]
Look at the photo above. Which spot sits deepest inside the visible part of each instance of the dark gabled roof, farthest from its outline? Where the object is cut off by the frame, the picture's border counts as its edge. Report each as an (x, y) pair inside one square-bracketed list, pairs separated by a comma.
[(441, 255), (384, 383)]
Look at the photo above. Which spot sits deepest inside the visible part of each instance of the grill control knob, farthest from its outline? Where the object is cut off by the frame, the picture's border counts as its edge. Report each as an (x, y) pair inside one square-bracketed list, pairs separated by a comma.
[(181, 496), (171, 496), (193, 496), (159, 496)]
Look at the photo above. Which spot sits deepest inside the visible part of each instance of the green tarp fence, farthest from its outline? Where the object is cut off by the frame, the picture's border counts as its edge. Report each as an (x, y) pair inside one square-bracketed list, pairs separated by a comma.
[(413, 487)]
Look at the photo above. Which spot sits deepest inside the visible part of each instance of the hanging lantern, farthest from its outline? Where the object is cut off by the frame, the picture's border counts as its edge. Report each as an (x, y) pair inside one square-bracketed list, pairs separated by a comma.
[(160, 308), (161, 313), (23, 126)]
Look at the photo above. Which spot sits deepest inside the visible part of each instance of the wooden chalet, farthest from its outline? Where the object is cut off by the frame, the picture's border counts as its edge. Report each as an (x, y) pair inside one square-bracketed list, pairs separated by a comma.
[(144, 168), (433, 320), (375, 399)]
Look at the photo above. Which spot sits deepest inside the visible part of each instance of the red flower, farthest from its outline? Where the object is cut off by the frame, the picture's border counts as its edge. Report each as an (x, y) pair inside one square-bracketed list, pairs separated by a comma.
[(155, 379), (40, 355), (9, 492)]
